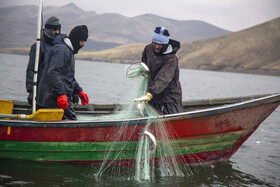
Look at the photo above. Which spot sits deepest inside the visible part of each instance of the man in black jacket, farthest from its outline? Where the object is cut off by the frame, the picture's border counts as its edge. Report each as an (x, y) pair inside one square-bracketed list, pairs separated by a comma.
[(58, 83), (164, 88), (51, 30)]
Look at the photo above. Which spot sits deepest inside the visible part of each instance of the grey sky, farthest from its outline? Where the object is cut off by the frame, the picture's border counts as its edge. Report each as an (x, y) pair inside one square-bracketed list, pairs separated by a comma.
[(232, 15)]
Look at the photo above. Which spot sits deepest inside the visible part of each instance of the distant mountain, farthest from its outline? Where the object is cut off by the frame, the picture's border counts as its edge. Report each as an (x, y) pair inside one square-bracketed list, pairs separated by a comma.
[(18, 26), (254, 50)]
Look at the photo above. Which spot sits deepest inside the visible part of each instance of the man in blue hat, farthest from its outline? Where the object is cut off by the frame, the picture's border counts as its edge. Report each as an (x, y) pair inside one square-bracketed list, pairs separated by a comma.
[(164, 88)]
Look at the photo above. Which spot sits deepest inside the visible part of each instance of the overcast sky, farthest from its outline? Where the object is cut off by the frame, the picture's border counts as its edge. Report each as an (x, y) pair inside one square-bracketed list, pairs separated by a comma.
[(232, 15)]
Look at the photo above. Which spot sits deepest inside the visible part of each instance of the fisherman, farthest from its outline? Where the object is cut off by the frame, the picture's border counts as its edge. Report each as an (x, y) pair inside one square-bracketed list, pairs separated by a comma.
[(164, 91), (51, 30), (58, 83)]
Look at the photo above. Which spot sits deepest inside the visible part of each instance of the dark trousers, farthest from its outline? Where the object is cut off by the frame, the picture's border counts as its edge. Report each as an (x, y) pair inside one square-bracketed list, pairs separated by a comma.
[(167, 108), (69, 112)]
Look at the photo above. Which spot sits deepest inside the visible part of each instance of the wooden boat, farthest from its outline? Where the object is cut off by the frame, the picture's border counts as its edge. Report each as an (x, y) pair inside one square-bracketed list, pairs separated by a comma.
[(208, 131)]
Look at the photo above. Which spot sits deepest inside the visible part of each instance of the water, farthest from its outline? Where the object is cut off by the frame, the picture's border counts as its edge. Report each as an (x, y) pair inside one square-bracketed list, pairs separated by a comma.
[(256, 163)]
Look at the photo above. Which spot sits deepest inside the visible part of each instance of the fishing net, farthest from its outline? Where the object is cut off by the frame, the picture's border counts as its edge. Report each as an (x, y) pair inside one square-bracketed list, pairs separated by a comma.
[(150, 147)]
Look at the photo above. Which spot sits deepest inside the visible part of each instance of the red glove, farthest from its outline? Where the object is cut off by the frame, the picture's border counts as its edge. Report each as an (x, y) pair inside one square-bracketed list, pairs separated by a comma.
[(62, 101), (84, 98)]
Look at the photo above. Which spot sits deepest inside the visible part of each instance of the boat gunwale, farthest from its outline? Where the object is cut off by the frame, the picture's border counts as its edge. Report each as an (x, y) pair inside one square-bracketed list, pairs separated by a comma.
[(141, 121)]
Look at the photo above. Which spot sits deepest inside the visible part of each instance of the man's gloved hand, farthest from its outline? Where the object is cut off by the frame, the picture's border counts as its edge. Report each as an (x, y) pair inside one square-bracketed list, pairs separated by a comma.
[(84, 98), (145, 98), (75, 99), (144, 74), (62, 101)]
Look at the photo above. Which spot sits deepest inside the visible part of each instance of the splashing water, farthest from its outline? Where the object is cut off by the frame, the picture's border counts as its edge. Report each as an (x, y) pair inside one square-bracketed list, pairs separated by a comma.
[(150, 146)]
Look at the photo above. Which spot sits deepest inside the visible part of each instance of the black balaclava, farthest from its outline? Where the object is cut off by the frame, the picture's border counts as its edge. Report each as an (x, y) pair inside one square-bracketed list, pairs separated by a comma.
[(77, 34), (51, 24)]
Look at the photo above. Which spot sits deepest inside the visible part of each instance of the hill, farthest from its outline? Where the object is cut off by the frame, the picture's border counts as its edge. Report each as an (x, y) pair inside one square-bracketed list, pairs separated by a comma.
[(254, 50), (105, 30)]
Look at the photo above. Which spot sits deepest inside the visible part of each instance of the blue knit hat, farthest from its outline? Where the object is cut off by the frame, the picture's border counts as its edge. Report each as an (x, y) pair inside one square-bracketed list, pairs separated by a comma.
[(160, 35)]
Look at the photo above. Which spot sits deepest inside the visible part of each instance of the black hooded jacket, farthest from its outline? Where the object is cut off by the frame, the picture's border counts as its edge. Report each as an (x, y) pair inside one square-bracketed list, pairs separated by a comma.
[(45, 46), (59, 75), (164, 82)]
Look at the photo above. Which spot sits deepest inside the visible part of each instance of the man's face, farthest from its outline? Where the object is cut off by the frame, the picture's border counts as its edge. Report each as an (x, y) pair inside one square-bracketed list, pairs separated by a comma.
[(82, 43), (56, 32), (157, 47)]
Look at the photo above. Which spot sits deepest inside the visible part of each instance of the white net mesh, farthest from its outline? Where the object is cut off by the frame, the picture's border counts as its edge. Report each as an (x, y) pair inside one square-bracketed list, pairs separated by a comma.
[(154, 153)]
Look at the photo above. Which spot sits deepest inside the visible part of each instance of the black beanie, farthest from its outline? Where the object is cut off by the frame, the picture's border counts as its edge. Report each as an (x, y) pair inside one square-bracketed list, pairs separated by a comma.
[(77, 34)]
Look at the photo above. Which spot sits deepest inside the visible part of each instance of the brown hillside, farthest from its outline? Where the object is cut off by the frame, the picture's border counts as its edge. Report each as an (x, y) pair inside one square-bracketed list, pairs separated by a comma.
[(254, 50), (121, 54)]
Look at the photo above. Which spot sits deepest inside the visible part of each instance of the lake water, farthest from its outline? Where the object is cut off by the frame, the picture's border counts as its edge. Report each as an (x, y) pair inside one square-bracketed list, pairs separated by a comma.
[(256, 163)]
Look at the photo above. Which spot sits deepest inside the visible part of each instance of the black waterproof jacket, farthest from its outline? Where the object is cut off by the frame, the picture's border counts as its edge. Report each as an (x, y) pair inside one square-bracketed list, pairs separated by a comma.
[(164, 82), (59, 75), (43, 58)]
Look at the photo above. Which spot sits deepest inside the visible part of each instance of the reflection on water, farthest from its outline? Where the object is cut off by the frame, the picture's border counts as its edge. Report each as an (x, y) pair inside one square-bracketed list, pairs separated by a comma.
[(31, 173)]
